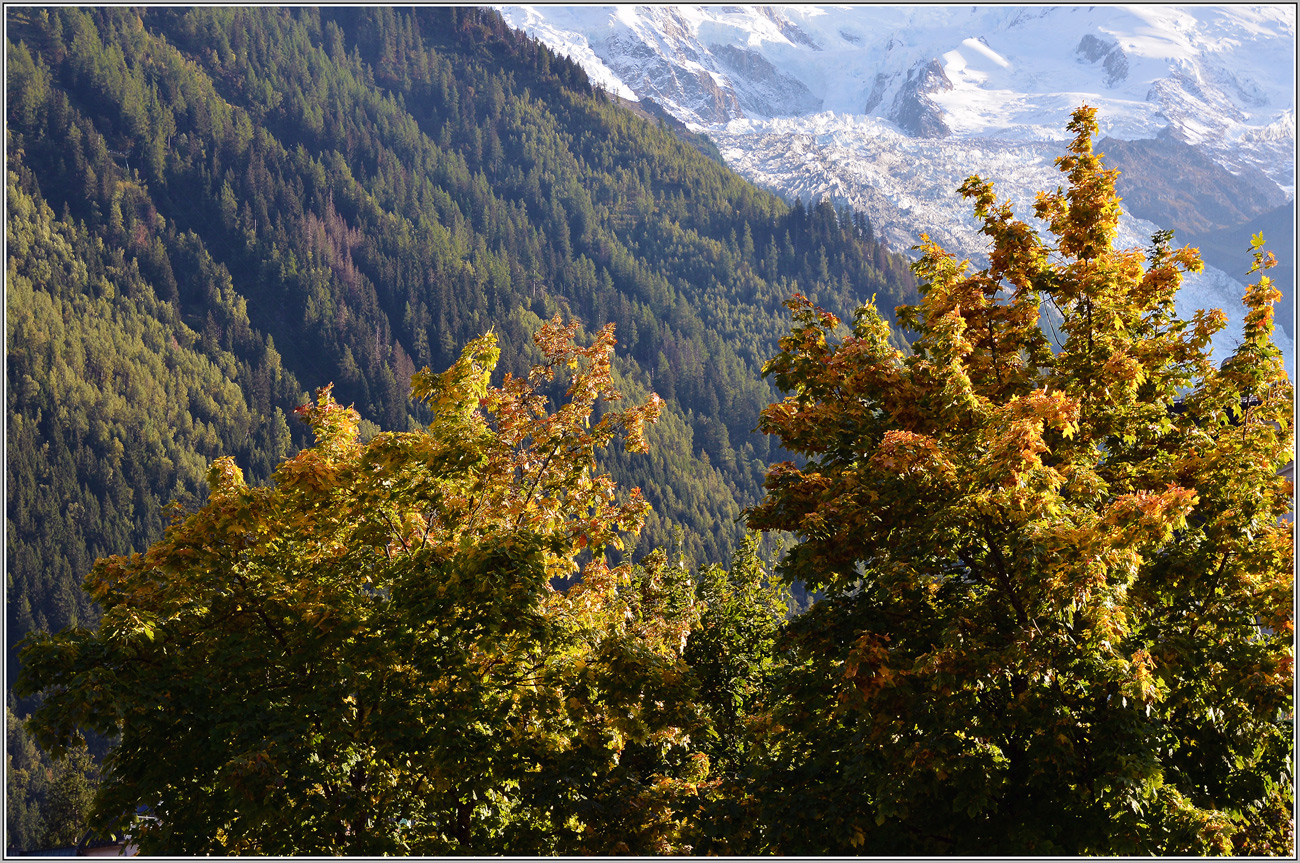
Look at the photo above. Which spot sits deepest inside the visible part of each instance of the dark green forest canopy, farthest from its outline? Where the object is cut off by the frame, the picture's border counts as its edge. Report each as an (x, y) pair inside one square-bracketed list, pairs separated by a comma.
[(1054, 617), (1055, 611), (214, 210)]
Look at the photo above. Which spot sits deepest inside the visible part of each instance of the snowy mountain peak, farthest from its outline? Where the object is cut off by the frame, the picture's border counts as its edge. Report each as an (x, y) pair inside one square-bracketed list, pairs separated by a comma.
[(1204, 70), (889, 108)]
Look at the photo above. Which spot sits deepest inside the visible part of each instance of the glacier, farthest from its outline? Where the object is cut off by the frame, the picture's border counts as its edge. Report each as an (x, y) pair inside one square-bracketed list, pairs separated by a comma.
[(889, 108)]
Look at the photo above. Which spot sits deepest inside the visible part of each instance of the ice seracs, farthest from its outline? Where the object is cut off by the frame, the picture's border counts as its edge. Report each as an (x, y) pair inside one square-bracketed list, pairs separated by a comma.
[(889, 108)]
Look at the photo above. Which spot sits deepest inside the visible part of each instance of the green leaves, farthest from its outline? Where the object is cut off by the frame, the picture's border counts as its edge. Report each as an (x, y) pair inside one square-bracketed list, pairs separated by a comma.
[(368, 656), (1027, 559)]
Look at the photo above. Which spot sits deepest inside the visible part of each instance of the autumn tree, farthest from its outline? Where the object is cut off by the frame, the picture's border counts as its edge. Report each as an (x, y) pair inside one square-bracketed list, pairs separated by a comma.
[(1057, 583), (368, 655)]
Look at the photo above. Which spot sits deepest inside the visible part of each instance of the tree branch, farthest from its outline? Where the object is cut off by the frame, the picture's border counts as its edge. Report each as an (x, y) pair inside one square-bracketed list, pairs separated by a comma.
[(540, 471), (1004, 579), (275, 631), (396, 532)]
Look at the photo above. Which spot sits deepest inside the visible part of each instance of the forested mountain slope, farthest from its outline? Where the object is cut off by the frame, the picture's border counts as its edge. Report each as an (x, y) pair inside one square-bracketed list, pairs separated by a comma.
[(213, 211), (888, 108)]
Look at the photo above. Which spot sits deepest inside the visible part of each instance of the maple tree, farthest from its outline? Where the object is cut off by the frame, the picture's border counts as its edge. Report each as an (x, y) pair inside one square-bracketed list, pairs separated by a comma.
[(368, 655), (1056, 611)]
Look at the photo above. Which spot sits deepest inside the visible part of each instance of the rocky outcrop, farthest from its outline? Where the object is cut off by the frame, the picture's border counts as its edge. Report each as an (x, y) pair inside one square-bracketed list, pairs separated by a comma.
[(878, 88), (762, 88), (651, 74), (1113, 59), (1091, 49), (912, 110), (788, 28)]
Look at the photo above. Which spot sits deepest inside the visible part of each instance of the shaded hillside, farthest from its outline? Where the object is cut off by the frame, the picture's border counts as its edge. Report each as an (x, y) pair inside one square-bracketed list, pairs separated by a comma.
[(1229, 250), (229, 207), (116, 405), (1175, 185)]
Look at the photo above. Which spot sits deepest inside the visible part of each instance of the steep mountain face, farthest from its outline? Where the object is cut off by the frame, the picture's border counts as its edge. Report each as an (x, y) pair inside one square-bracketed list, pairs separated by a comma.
[(1217, 77), (1167, 179), (913, 110), (213, 212), (1106, 51), (692, 61), (896, 105)]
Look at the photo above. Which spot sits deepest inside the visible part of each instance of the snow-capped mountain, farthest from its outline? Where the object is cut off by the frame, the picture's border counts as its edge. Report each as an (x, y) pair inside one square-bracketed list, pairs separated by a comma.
[(889, 108)]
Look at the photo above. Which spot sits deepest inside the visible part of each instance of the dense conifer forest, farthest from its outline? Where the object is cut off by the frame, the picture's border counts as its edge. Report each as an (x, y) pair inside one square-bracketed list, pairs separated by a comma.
[(412, 625), (214, 211)]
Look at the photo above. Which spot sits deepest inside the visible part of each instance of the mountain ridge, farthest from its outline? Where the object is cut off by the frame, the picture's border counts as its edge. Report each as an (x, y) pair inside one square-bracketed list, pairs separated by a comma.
[(299, 197), (905, 102)]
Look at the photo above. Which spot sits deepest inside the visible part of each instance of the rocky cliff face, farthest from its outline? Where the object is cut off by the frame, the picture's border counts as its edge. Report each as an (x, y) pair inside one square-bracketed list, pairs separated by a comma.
[(1112, 57), (761, 88), (913, 109), (889, 108), (675, 78)]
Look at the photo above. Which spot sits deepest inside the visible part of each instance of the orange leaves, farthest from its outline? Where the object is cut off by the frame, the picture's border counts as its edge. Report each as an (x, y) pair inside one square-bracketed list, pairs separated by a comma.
[(1123, 369), (1053, 409), (1189, 259), (1145, 516), (1079, 546), (1085, 217), (906, 452), (335, 426), (518, 465), (1142, 684), (867, 665), (225, 477), (980, 333), (457, 391), (1012, 449), (310, 471), (1260, 297), (634, 421)]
